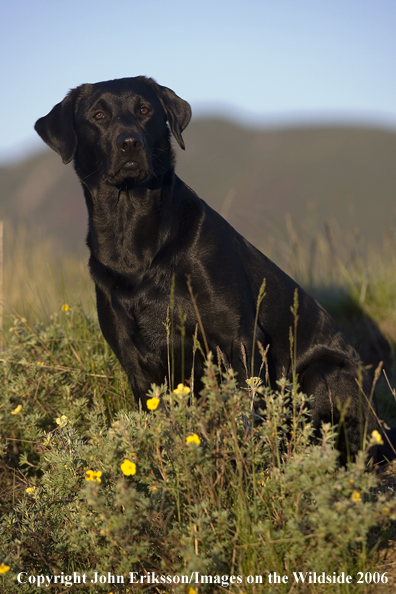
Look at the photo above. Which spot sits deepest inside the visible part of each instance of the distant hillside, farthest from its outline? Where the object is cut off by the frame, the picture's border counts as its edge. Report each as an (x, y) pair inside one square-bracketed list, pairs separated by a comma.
[(252, 177), (315, 174), (46, 195)]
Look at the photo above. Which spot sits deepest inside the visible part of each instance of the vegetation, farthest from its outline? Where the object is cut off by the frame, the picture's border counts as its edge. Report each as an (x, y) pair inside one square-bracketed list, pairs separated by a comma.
[(90, 484), (37, 279)]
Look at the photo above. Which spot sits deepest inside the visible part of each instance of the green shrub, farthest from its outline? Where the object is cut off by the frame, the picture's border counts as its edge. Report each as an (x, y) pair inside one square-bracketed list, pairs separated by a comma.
[(197, 485)]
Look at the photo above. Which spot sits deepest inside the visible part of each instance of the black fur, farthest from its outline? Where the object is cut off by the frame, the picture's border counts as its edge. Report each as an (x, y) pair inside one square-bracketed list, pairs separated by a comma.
[(146, 226)]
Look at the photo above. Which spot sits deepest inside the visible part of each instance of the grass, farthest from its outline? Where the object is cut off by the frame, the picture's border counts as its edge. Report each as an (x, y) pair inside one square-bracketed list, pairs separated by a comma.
[(236, 499), (38, 280)]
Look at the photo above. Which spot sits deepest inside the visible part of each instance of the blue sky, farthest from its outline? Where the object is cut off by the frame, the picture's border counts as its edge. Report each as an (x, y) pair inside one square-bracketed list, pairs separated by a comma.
[(260, 61)]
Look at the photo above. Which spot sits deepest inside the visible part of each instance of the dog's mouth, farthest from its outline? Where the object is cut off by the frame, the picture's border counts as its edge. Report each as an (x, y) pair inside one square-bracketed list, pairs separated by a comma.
[(129, 172), (130, 165)]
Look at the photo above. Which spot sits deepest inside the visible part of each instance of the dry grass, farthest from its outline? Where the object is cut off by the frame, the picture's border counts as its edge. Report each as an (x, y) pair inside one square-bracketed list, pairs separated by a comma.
[(37, 280), (341, 270)]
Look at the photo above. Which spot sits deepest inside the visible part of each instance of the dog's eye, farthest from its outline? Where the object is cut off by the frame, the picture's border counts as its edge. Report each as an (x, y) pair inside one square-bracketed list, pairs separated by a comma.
[(99, 115), (144, 110)]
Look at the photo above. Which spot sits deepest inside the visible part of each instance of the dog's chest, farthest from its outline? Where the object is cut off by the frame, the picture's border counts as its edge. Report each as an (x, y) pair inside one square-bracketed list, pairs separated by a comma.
[(141, 305)]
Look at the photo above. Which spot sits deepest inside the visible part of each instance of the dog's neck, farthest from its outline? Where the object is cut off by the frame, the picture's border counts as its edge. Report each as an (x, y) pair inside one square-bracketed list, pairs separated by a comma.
[(126, 225)]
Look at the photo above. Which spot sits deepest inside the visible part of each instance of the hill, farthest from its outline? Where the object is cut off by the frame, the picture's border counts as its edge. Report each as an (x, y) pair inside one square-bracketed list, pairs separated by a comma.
[(253, 177)]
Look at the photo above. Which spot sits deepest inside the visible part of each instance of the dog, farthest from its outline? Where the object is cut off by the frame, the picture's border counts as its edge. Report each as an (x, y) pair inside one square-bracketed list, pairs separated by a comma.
[(150, 235)]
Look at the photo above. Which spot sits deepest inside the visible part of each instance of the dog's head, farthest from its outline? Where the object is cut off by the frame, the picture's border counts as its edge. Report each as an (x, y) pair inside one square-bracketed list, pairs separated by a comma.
[(116, 130)]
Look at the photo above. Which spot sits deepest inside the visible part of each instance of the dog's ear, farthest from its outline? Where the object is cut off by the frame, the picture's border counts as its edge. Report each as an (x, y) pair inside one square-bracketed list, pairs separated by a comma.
[(57, 128), (178, 111)]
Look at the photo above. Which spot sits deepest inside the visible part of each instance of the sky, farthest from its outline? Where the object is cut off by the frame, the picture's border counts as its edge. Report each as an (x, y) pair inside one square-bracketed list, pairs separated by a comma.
[(260, 62)]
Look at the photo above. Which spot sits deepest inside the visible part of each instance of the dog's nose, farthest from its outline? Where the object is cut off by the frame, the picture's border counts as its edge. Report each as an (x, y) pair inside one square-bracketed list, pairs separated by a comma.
[(129, 140)]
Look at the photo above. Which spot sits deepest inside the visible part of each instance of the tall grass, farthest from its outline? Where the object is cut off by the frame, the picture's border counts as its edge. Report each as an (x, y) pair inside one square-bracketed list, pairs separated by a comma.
[(342, 271), (38, 279)]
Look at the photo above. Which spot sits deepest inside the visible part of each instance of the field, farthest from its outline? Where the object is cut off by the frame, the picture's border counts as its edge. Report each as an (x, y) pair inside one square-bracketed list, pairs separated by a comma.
[(91, 484)]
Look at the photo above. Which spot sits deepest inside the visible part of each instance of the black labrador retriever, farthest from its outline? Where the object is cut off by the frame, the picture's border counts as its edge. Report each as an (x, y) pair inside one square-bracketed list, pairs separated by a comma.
[(148, 229)]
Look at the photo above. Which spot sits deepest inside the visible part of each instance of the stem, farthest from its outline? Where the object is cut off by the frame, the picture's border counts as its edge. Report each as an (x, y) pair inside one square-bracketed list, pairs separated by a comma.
[(260, 298)]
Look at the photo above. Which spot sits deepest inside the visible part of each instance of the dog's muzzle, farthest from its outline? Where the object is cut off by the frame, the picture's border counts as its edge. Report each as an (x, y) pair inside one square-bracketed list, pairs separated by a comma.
[(130, 159)]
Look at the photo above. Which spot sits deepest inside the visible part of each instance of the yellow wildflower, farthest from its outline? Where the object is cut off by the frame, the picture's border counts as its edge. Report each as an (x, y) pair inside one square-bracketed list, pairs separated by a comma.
[(152, 403), (182, 389), (193, 439), (4, 568), (41, 363), (61, 420), (192, 591), (17, 410), (30, 490), (128, 468), (65, 307), (376, 435), (254, 382), (93, 476), (355, 496)]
